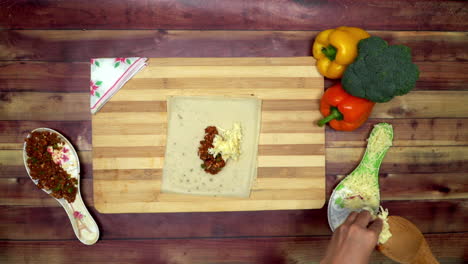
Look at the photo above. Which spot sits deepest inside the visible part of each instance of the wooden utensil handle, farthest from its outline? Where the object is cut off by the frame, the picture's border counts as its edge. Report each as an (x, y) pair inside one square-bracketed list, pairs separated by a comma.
[(424, 255)]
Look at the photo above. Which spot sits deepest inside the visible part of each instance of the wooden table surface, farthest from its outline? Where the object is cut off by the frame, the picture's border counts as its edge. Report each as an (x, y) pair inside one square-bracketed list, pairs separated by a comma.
[(45, 47)]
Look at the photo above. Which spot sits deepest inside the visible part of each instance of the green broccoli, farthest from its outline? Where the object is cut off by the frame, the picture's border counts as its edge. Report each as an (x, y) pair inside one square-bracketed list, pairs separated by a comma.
[(380, 72)]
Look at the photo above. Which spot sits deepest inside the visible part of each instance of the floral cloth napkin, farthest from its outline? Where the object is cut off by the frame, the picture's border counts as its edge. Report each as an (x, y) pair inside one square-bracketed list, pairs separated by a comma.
[(108, 75)]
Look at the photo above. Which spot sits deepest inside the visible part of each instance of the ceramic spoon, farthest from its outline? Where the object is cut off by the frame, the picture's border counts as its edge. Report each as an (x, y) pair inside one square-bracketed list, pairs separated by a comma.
[(377, 147), (407, 244), (83, 224)]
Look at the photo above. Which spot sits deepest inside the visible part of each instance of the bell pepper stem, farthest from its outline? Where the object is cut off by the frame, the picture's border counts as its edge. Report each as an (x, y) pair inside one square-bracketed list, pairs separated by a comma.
[(334, 114), (330, 52)]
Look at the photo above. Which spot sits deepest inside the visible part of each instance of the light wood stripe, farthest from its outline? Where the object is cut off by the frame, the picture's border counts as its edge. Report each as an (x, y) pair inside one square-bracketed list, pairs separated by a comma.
[(289, 172), (149, 190), (291, 161), (211, 205), (128, 163), (291, 105), (128, 152), (292, 127), (228, 61), (298, 149), (288, 183), (134, 129), (297, 138), (161, 106), (226, 71), (157, 162), (158, 151), (160, 140), (129, 141), (264, 94), (224, 83), (156, 174), (104, 119), (295, 116)]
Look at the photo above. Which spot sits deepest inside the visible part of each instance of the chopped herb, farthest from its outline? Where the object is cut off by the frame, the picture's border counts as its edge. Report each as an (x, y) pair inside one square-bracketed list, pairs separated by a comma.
[(203, 166)]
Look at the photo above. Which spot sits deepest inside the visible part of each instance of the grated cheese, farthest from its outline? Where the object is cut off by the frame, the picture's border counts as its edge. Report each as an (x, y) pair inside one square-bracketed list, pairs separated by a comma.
[(228, 143), (385, 235)]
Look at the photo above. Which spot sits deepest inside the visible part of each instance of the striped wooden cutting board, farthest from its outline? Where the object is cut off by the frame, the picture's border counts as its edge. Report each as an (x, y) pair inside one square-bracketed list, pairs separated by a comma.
[(129, 134)]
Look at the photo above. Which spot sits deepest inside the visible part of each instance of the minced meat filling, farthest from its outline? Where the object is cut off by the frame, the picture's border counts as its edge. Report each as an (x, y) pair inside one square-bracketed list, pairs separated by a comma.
[(211, 164), (49, 174)]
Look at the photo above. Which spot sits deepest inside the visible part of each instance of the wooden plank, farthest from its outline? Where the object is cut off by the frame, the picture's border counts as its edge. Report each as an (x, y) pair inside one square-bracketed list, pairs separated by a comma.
[(222, 15), (158, 151), (395, 187), (339, 161), (11, 162), (130, 140), (264, 94), (23, 192), (44, 106), (44, 76), (74, 106), (447, 248), (79, 45), (13, 133), (74, 77), (403, 160), (407, 132), (36, 223), (235, 71), (425, 104)]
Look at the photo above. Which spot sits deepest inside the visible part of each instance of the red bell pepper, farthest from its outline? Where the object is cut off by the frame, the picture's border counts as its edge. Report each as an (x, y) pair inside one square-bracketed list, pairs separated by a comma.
[(343, 111)]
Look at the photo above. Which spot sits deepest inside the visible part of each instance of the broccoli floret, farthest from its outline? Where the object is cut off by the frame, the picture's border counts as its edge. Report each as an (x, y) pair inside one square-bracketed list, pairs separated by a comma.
[(380, 72)]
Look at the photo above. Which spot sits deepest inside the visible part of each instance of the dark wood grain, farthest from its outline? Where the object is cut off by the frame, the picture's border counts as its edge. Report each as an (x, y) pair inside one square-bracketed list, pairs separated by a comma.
[(44, 76), (51, 223), (407, 132), (226, 14), (447, 248), (74, 77), (78, 45), (21, 191), (14, 132)]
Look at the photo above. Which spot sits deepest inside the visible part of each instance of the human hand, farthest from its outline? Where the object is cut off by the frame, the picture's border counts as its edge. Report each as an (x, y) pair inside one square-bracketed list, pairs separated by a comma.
[(354, 241)]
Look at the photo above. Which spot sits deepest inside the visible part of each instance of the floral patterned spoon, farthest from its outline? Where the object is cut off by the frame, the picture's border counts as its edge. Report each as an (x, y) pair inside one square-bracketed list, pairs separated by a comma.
[(84, 226)]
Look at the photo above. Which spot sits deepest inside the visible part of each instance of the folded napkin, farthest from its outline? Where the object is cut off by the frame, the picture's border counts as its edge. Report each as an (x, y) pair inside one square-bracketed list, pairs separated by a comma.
[(108, 75)]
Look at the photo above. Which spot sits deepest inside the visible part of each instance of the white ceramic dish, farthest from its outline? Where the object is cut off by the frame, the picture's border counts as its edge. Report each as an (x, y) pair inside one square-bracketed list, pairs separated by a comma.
[(84, 226)]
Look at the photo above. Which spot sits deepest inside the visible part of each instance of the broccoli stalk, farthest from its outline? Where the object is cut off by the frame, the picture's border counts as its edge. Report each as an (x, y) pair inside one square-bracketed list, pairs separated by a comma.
[(380, 72)]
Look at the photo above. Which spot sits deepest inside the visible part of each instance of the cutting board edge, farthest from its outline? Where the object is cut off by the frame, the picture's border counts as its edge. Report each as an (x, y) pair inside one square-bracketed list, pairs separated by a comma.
[(318, 204)]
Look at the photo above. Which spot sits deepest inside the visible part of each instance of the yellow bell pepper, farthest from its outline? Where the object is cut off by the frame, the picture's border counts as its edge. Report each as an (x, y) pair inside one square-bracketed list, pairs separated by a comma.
[(335, 49)]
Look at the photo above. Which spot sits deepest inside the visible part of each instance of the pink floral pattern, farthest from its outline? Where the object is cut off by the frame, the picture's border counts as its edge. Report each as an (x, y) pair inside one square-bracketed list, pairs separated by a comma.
[(95, 62), (77, 215), (93, 86), (119, 61), (59, 156)]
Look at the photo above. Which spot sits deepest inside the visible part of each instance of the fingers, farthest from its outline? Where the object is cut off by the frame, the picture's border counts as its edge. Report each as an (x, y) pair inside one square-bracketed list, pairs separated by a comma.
[(351, 218), (376, 226), (363, 218)]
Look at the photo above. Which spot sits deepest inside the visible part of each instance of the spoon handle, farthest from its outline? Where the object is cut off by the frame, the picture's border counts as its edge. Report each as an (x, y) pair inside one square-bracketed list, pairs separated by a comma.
[(424, 255), (84, 226)]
